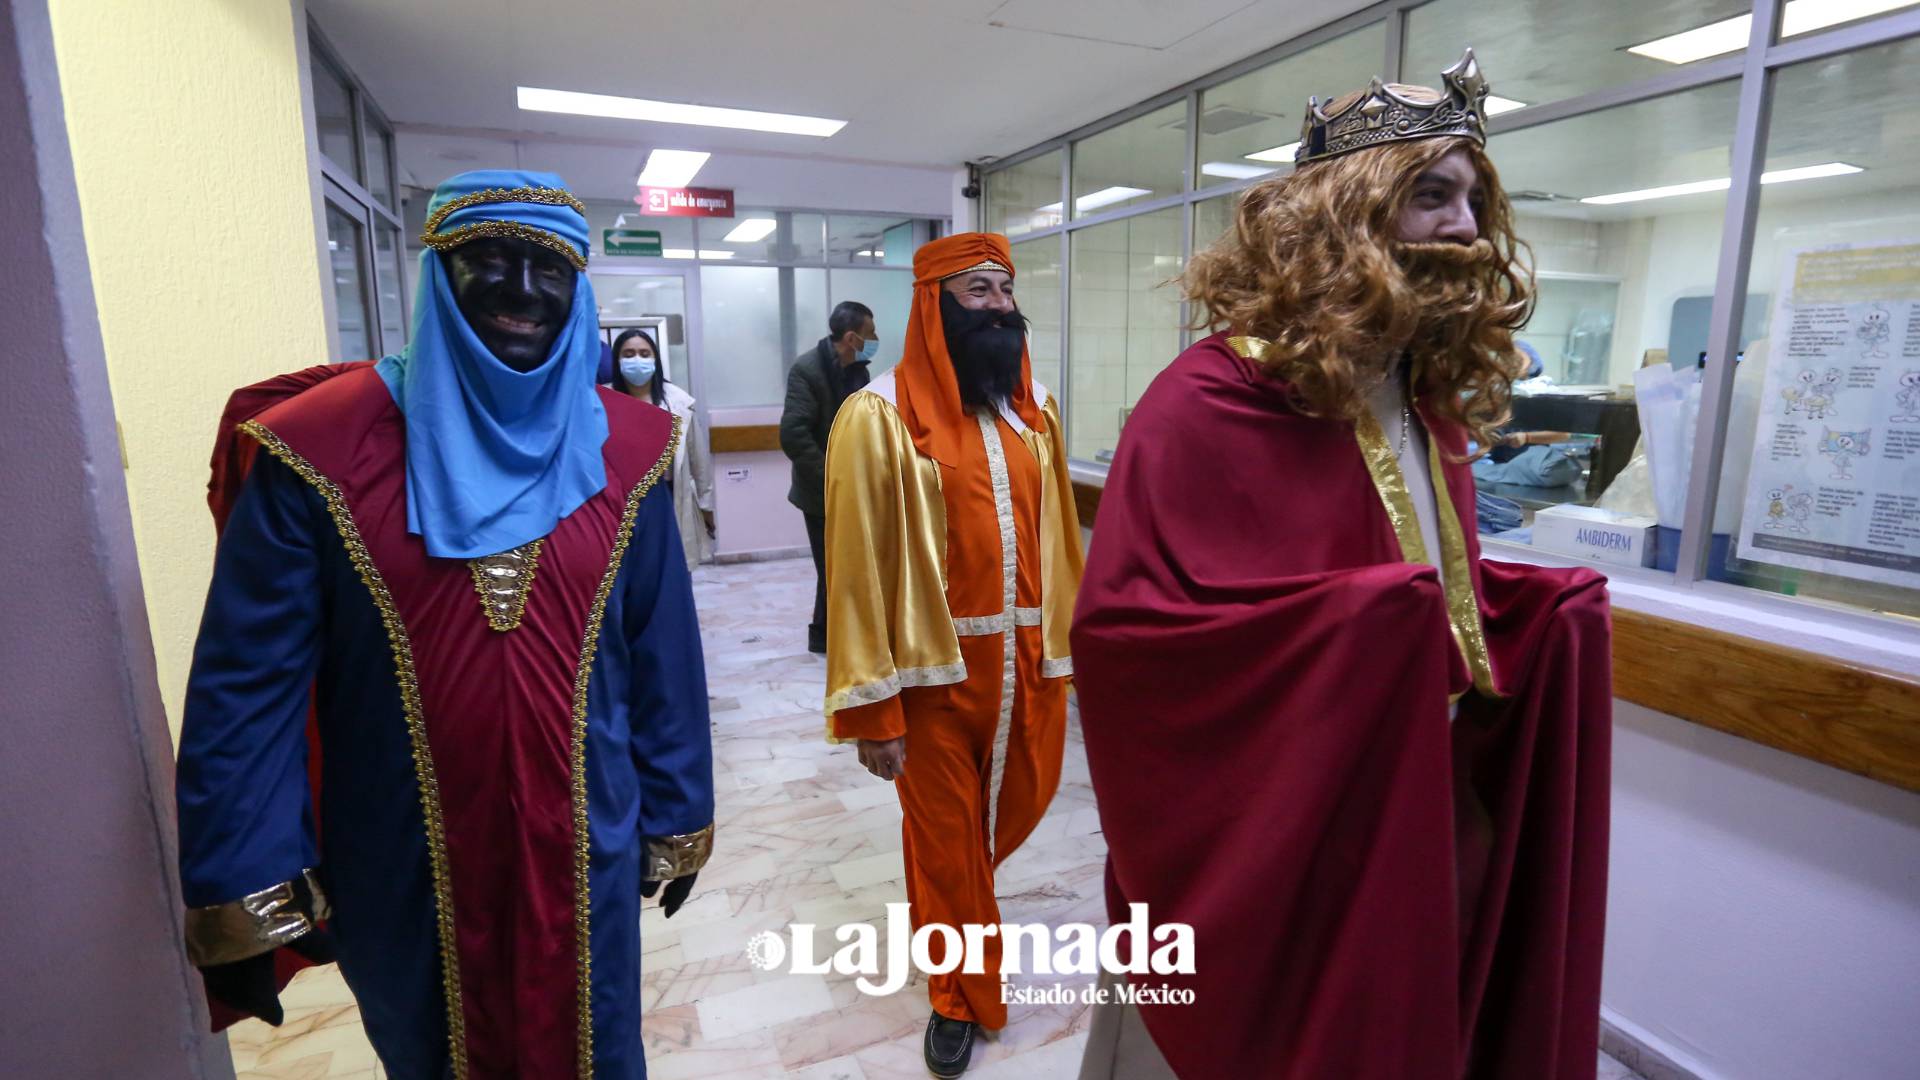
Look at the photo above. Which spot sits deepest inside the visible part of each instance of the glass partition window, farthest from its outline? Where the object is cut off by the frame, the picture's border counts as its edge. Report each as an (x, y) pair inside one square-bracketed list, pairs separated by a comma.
[(1212, 218), (870, 240), (1138, 161), (1036, 266), (758, 236), (1125, 323), (1016, 195), (379, 161), (753, 321), (1624, 224), (1820, 489), (1250, 126), (346, 250), (1537, 51), (889, 293), (333, 114)]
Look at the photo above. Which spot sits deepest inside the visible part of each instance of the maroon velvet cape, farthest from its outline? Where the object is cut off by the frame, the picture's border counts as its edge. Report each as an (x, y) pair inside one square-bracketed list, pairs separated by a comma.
[(232, 458), (1264, 686)]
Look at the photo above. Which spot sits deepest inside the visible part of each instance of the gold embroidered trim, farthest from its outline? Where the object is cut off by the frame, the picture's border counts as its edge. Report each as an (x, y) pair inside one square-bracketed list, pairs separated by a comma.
[(409, 685), (546, 196), (1463, 603), (670, 857), (504, 581), (582, 898), (881, 689), (984, 264), (1249, 348), (513, 230), (258, 922), (1009, 647), (1384, 465)]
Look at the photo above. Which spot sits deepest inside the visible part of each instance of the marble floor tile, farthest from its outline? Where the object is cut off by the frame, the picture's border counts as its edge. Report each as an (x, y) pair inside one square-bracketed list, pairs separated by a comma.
[(756, 1007), (803, 835)]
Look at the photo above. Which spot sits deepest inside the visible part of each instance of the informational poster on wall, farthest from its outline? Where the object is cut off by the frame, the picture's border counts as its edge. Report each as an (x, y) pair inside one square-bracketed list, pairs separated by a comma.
[(1835, 480)]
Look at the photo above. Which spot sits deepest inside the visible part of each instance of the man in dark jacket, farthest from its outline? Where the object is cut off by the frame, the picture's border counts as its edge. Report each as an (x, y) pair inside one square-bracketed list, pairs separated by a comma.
[(820, 379)]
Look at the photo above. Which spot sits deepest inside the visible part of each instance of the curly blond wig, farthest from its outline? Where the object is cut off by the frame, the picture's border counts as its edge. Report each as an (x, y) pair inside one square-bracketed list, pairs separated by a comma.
[(1313, 265)]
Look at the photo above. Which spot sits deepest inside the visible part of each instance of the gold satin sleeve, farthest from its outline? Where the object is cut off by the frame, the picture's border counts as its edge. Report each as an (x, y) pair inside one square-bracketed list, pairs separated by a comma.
[(888, 626), (1061, 560)]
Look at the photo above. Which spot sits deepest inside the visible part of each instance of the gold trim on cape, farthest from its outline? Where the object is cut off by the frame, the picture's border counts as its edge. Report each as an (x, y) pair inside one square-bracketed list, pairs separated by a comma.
[(1383, 465), (1009, 586), (583, 675), (409, 685), (504, 582), (1463, 605), (676, 856), (890, 627), (258, 922)]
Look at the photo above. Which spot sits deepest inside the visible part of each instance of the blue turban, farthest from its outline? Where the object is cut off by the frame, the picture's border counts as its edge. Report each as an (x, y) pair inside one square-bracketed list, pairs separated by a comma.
[(496, 457)]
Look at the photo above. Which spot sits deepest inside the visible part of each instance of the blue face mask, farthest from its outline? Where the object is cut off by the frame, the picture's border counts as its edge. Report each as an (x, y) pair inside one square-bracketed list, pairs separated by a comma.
[(637, 370), (869, 348)]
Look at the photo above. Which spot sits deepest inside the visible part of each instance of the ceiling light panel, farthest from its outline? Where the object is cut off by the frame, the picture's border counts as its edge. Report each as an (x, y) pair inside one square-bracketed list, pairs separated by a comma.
[(1777, 176), (1730, 35), (750, 231), (536, 99), (672, 168)]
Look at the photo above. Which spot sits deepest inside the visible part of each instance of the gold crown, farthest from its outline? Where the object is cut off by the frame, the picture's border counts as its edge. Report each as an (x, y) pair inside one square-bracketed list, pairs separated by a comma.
[(1382, 115)]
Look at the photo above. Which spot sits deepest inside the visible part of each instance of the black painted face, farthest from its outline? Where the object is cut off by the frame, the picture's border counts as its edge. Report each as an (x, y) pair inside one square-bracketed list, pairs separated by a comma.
[(515, 294)]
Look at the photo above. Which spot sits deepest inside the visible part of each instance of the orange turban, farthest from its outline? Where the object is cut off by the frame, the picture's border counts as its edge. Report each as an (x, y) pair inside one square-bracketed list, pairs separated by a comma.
[(928, 392)]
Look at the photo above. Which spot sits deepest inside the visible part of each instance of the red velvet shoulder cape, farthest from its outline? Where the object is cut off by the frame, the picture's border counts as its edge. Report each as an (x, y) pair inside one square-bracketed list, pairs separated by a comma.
[(1264, 686)]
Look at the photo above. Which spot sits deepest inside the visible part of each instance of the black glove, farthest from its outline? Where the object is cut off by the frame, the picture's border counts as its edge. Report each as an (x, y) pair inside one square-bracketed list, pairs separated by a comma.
[(248, 985), (676, 893)]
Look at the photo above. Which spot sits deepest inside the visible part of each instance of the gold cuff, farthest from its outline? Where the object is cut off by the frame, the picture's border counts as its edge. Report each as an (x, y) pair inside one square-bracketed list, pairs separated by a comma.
[(256, 923), (670, 857)]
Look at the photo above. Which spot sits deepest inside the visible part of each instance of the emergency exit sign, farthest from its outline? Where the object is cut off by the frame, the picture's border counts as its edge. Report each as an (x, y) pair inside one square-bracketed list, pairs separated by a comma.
[(630, 242)]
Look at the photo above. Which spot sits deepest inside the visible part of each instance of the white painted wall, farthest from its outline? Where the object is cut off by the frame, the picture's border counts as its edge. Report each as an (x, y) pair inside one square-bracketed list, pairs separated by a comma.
[(751, 512), (1764, 911)]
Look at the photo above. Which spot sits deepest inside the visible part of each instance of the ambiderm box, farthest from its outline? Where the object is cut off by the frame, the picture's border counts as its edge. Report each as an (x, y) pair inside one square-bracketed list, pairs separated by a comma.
[(1621, 539)]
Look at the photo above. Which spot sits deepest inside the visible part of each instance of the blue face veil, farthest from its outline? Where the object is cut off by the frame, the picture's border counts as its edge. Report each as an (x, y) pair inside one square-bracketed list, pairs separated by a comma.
[(496, 457)]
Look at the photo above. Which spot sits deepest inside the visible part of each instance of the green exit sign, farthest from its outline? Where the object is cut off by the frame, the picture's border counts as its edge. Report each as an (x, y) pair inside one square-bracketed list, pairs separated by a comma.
[(630, 242)]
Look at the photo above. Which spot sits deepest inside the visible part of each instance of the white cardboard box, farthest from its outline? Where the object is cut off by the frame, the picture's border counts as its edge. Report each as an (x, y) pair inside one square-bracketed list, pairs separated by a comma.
[(1621, 539)]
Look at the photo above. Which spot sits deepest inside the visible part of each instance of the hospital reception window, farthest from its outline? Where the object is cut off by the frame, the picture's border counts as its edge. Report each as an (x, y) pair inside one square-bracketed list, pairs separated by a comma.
[(1820, 487)]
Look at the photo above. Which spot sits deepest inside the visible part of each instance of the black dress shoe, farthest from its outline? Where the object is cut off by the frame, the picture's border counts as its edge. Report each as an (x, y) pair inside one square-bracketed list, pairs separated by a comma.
[(949, 1044)]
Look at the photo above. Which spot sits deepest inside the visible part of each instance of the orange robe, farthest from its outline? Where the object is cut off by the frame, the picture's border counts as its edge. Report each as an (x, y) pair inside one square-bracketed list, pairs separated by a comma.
[(949, 594)]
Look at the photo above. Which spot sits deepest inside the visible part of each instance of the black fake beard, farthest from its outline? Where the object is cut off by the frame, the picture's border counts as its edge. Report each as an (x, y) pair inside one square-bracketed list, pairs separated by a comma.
[(986, 348)]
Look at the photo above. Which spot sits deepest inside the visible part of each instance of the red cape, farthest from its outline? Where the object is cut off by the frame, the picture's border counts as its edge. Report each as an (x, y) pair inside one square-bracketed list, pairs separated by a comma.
[(1263, 684), (232, 458)]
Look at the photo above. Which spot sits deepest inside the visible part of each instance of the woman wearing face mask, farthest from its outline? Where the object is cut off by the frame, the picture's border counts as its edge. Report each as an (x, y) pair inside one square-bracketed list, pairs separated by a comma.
[(636, 372)]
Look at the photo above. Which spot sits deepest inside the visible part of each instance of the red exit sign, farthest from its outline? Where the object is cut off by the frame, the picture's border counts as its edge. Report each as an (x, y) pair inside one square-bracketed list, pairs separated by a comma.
[(685, 202)]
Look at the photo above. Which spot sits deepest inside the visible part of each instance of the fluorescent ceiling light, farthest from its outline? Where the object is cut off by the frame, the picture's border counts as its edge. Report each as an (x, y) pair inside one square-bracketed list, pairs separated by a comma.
[(1233, 170), (1275, 153), (1778, 176), (751, 231), (1730, 35), (689, 253), (1809, 172), (534, 99), (1497, 104), (1096, 200), (671, 168), (870, 254)]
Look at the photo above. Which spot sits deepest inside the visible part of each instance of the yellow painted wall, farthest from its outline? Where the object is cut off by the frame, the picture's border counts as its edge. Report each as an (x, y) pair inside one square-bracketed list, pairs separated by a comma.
[(189, 148)]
